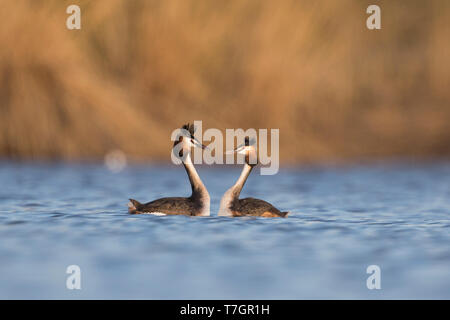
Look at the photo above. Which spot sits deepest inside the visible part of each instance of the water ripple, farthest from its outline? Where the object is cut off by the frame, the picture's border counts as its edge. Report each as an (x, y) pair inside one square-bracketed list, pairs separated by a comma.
[(341, 221)]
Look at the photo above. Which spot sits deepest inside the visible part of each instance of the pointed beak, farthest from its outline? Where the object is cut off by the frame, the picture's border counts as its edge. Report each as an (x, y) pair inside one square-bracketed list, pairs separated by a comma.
[(197, 144), (243, 148), (240, 149)]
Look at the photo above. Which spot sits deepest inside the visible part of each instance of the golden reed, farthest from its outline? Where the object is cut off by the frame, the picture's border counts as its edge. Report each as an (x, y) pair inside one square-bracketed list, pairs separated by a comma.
[(138, 69)]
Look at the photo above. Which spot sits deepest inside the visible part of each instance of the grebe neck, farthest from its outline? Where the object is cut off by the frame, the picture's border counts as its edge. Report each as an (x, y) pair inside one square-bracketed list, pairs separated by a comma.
[(233, 193), (237, 187), (199, 191)]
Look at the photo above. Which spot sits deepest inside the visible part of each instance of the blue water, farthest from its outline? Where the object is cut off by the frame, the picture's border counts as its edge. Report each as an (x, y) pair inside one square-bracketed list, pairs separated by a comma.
[(342, 220)]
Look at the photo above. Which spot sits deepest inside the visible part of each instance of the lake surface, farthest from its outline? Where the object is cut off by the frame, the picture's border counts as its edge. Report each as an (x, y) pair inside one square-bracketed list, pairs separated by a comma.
[(342, 220)]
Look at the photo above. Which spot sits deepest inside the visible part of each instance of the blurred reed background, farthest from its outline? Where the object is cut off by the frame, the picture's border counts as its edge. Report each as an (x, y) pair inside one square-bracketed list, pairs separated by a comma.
[(138, 69)]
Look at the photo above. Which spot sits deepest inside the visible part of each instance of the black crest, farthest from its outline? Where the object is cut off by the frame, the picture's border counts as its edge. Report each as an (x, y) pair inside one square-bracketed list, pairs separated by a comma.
[(190, 128), (249, 141)]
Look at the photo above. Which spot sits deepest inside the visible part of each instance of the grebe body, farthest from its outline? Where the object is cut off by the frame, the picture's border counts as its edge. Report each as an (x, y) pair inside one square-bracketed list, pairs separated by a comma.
[(198, 204), (232, 206)]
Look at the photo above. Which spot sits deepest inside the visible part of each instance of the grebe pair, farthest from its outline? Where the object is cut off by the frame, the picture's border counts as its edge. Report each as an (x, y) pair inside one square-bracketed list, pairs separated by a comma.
[(198, 203)]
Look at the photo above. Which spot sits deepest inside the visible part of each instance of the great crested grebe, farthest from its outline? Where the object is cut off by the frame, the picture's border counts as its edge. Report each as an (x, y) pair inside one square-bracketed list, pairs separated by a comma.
[(195, 205), (232, 206)]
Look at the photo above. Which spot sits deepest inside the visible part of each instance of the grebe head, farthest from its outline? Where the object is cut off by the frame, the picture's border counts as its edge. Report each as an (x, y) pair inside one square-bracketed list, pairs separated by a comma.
[(248, 149), (187, 140)]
